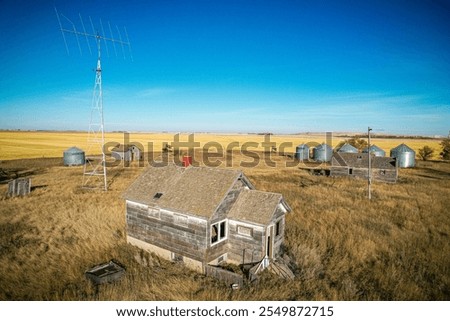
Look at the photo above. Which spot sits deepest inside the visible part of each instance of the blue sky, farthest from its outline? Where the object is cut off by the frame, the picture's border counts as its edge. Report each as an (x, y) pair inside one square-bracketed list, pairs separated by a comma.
[(232, 66)]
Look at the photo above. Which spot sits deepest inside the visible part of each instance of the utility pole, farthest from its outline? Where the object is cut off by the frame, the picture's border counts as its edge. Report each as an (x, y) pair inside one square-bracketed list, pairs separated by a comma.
[(369, 172)]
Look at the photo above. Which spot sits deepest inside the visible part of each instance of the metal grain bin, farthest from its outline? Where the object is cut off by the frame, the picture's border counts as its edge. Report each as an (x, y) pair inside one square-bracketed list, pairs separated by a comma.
[(405, 156), (74, 157), (302, 152), (376, 151), (322, 153), (347, 148)]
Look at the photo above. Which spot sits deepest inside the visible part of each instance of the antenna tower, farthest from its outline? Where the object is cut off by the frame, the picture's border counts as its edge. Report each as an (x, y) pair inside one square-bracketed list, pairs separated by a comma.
[(94, 173)]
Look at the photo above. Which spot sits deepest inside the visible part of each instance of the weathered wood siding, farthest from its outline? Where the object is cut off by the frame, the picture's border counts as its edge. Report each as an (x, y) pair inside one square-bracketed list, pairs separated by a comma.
[(383, 175), (181, 234), (339, 171), (279, 217), (244, 248), (226, 276)]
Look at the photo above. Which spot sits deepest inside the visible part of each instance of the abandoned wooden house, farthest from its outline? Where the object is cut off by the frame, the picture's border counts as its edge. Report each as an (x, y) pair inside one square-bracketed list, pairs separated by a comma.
[(357, 165), (126, 152), (204, 216)]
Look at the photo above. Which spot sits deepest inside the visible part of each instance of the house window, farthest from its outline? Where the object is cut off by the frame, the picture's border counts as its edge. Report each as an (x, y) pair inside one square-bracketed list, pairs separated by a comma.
[(383, 172), (246, 231), (218, 232), (350, 171)]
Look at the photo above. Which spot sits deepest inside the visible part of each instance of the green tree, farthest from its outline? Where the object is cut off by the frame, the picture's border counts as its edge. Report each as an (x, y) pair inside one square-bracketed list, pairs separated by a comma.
[(426, 152), (445, 148)]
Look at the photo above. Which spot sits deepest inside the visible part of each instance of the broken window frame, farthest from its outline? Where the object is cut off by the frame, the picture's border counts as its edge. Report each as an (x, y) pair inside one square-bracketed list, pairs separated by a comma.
[(221, 232)]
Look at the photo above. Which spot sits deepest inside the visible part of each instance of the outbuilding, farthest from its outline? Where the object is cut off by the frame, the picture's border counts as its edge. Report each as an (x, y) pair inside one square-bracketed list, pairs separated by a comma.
[(302, 152), (74, 156), (127, 152), (405, 156), (357, 165), (322, 153)]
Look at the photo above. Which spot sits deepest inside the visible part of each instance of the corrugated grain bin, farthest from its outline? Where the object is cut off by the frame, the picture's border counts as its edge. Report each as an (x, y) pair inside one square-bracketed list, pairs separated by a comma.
[(302, 152), (347, 148), (405, 156), (322, 153), (74, 157), (375, 150)]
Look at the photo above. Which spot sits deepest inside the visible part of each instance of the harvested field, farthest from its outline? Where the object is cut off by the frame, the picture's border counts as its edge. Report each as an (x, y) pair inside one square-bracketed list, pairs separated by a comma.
[(343, 246)]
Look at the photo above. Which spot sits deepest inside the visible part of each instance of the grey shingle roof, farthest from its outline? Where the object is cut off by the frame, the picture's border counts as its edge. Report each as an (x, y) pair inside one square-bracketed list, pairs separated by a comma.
[(194, 190), (255, 206), (200, 190)]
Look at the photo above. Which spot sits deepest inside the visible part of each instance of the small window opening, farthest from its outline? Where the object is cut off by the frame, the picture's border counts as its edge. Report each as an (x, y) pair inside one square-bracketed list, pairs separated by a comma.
[(222, 230), (350, 171), (278, 228)]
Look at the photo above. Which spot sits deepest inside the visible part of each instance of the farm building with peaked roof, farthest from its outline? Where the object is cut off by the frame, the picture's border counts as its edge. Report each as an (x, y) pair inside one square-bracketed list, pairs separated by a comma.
[(357, 165), (204, 216), (127, 152)]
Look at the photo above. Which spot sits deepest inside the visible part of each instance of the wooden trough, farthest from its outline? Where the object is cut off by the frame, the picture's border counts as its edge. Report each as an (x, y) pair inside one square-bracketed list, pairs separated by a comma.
[(105, 273)]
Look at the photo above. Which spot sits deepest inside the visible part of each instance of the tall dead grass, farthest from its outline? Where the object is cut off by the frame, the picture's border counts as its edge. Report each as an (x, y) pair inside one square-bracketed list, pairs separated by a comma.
[(343, 247)]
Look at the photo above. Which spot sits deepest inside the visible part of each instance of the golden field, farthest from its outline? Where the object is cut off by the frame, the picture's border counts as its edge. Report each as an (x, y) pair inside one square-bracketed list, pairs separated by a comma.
[(24, 144), (343, 246)]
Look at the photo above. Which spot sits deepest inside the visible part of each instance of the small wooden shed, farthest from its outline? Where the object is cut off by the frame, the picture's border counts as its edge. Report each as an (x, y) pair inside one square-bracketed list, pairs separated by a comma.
[(357, 165), (127, 152)]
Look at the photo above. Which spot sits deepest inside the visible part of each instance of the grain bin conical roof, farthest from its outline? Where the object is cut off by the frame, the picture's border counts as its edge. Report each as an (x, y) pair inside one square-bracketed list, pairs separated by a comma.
[(375, 150), (405, 156), (347, 148), (402, 148)]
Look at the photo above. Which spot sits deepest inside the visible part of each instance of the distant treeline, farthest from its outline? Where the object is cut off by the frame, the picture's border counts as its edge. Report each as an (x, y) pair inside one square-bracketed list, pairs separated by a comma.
[(392, 136)]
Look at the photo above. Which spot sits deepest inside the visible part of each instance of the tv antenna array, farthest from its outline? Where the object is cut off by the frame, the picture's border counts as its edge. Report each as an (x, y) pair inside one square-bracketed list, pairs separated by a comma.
[(94, 173)]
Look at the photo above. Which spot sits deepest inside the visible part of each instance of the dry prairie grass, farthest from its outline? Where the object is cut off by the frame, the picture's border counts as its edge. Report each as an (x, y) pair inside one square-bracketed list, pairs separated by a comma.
[(19, 145), (344, 247)]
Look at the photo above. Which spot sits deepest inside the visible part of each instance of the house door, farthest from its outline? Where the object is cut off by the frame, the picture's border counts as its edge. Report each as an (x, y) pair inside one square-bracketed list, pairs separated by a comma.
[(269, 242)]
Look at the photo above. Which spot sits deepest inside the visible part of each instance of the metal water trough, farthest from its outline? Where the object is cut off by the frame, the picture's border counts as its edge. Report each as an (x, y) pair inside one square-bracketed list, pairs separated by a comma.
[(105, 273)]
